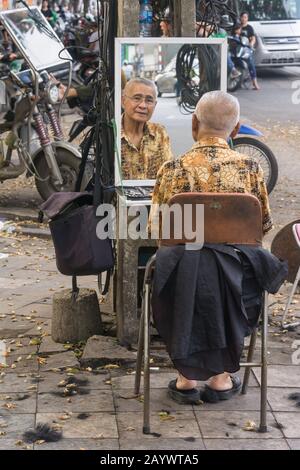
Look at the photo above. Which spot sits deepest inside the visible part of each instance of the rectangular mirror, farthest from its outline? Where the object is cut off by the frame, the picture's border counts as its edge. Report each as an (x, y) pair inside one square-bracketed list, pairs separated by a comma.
[(35, 38), (182, 69)]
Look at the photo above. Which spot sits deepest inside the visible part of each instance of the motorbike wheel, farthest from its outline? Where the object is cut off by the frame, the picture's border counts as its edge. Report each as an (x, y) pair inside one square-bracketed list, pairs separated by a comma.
[(69, 168), (263, 154), (234, 84)]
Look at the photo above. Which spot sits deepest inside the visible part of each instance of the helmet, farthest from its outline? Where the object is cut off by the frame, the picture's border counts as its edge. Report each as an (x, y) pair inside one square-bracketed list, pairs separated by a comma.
[(167, 15)]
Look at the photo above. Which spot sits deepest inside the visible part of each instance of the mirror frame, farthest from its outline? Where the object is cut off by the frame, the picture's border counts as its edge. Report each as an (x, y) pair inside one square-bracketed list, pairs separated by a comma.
[(119, 42)]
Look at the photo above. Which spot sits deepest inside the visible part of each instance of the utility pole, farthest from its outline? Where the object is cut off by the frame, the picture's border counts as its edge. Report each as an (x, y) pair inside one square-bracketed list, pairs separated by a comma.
[(184, 18)]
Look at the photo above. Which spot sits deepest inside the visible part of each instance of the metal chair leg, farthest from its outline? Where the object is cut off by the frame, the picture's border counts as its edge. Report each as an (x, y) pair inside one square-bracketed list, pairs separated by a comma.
[(264, 367), (139, 359), (146, 426), (249, 360), (297, 280)]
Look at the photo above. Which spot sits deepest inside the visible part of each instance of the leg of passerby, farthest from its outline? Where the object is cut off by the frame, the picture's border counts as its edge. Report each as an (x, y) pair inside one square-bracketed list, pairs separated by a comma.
[(253, 74), (234, 73)]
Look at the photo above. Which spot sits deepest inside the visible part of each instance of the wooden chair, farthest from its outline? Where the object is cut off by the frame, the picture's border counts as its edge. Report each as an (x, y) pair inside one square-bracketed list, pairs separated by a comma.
[(234, 219)]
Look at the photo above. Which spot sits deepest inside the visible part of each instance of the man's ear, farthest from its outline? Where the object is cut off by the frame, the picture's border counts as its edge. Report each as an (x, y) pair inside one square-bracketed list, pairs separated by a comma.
[(195, 127), (235, 131), (122, 100)]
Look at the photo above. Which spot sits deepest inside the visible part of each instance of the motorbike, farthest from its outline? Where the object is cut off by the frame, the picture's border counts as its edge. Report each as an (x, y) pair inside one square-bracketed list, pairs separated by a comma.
[(240, 51), (247, 144), (24, 135)]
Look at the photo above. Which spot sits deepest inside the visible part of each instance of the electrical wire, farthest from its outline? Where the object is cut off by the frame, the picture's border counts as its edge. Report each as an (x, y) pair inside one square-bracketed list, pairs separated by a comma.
[(211, 14), (197, 73)]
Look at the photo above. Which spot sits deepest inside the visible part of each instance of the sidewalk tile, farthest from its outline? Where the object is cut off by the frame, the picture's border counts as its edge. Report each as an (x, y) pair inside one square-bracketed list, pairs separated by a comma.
[(246, 444), (177, 425), (80, 444), (60, 361), (249, 402), (290, 423), (19, 384), (222, 425), (20, 347), (278, 399), (159, 400), (16, 424), (98, 425), (281, 376), (11, 444), (92, 402), (49, 381), (162, 444), (294, 444), (21, 364), (35, 310), (17, 403), (48, 346)]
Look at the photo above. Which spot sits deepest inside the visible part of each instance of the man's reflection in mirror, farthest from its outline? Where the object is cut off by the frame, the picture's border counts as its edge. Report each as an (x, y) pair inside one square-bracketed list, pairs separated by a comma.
[(145, 145)]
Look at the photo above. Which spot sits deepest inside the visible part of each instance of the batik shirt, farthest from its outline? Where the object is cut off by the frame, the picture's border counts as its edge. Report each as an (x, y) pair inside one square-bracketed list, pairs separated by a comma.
[(144, 162), (212, 167)]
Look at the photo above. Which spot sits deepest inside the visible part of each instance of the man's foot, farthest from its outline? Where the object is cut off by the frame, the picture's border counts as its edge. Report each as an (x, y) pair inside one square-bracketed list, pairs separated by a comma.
[(211, 395), (255, 85), (235, 73), (183, 396)]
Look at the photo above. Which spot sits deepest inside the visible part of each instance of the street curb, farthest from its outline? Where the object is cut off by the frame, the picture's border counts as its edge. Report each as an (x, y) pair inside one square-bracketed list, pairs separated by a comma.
[(19, 214), (34, 232)]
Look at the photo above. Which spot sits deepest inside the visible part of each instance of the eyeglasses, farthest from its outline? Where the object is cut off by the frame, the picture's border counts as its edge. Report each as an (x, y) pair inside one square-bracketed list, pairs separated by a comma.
[(138, 99)]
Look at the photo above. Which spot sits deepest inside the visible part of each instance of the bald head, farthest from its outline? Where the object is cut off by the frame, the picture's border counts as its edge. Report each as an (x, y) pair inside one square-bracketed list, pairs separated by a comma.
[(137, 82), (218, 112)]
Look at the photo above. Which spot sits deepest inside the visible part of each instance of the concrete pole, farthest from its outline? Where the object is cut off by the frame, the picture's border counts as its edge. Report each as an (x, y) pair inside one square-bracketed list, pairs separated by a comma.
[(184, 18), (129, 12)]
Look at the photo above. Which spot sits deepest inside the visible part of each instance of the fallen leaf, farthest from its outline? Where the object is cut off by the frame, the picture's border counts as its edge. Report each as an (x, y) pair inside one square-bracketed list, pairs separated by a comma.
[(64, 417), (35, 342), (19, 443), (250, 426), (40, 442), (10, 406), (62, 384), (111, 366), (42, 361)]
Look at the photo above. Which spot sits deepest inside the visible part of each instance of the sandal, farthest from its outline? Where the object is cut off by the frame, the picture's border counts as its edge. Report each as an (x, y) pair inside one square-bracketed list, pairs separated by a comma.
[(183, 397), (209, 395)]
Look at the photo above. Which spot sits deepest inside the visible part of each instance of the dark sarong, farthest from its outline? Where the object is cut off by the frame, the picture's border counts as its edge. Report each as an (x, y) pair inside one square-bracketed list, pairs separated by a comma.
[(205, 303)]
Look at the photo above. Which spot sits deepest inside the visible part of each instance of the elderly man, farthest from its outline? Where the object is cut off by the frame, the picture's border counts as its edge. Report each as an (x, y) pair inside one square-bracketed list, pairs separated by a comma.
[(206, 302), (145, 146)]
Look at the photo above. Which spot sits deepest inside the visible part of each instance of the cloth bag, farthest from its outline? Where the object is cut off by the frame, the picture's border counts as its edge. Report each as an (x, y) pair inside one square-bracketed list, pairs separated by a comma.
[(73, 224)]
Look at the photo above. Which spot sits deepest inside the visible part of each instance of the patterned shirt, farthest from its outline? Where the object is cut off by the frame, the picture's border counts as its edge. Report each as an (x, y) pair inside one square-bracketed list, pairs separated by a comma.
[(212, 167), (144, 163)]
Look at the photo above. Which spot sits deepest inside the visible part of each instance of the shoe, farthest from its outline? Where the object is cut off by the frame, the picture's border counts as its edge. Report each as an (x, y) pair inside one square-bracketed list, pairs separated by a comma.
[(209, 395), (235, 73), (183, 397)]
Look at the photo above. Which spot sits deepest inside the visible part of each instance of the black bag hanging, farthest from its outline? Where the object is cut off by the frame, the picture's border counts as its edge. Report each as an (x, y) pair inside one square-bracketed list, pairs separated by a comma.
[(73, 225)]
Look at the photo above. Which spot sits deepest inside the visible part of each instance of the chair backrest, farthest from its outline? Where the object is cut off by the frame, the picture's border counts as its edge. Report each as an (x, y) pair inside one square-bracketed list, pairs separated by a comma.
[(296, 230), (229, 218)]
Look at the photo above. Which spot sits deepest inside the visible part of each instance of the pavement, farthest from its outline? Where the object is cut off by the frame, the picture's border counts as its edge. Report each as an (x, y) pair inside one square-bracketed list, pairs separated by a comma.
[(42, 382), (88, 395)]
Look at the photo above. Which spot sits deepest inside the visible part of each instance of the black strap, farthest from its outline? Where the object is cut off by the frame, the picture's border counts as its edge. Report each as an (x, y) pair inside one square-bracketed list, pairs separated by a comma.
[(107, 283), (85, 154), (75, 289)]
